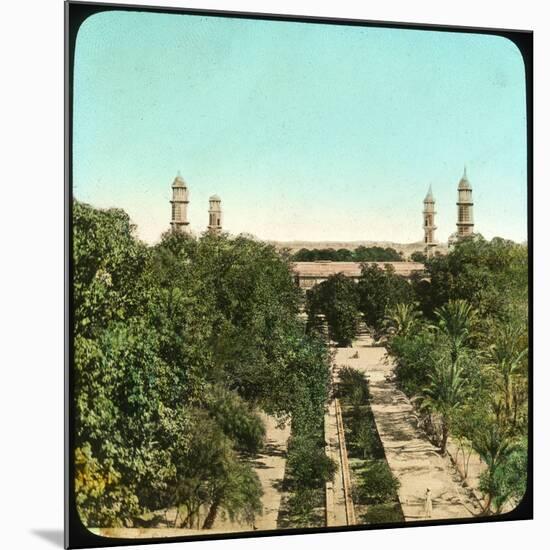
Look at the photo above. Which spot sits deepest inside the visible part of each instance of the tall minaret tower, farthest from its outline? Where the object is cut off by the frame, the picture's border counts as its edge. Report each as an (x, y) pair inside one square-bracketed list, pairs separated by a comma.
[(429, 223), (465, 203), (215, 214), (180, 200)]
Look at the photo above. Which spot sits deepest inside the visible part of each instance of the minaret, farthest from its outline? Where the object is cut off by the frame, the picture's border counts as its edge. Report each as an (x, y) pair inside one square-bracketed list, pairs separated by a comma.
[(180, 200), (429, 223), (465, 222), (215, 215)]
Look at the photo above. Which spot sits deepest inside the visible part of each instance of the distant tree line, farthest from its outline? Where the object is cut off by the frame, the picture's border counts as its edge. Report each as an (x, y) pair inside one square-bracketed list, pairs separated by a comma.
[(359, 254), (178, 346)]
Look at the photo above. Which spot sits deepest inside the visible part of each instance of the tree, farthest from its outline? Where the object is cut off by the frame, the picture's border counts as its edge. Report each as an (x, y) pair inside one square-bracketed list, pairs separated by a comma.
[(468, 364), (360, 254), (494, 447), (445, 393), (107, 263), (307, 461), (209, 473), (419, 257), (510, 478), (304, 255), (308, 468), (402, 319), (379, 290), (236, 418), (455, 320), (343, 255), (376, 254), (508, 356), (336, 298), (413, 354), (126, 424), (491, 275), (176, 347), (447, 388)]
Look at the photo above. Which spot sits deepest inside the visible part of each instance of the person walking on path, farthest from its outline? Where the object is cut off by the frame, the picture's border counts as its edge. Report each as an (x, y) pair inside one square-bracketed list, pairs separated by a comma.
[(428, 504)]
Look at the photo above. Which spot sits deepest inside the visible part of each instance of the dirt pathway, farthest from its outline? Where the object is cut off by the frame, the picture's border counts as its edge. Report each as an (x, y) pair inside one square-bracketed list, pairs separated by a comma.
[(269, 464), (410, 455), (270, 467)]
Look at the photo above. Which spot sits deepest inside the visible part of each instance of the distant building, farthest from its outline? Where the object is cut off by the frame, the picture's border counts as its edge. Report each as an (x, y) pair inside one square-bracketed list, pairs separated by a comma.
[(429, 223), (309, 274), (215, 215), (465, 203), (180, 200)]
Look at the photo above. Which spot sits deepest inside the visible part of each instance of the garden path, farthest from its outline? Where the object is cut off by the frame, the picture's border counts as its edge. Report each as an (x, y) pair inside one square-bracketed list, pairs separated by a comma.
[(269, 464), (413, 459)]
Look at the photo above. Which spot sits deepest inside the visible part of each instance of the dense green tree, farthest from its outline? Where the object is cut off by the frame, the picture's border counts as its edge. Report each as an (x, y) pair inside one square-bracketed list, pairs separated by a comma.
[(413, 354), (107, 263), (337, 299), (344, 255), (308, 462), (419, 257), (491, 275), (127, 420), (510, 478), (176, 347), (307, 470), (236, 418), (379, 290)]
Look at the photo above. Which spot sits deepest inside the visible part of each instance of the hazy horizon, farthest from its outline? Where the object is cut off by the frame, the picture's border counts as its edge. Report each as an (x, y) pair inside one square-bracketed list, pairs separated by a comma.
[(349, 243), (308, 132)]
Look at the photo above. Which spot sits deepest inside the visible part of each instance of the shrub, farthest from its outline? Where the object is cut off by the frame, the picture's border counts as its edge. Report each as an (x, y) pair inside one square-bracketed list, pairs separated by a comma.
[(378, 485), (353, 386), (384, 513), (309, 466)]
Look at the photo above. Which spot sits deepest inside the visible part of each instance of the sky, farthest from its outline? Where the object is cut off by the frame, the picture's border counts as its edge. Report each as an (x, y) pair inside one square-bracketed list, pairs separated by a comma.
[(306, 131)]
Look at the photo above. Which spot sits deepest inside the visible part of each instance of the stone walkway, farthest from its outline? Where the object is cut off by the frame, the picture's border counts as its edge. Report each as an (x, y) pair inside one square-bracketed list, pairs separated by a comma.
[(410, 455)]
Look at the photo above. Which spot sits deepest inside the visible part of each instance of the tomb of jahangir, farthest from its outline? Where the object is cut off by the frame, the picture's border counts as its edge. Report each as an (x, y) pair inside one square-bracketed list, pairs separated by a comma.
[(308, 274)]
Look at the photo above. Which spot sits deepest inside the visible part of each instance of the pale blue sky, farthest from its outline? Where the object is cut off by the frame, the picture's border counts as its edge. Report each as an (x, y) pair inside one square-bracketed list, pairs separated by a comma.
[(306, 131)]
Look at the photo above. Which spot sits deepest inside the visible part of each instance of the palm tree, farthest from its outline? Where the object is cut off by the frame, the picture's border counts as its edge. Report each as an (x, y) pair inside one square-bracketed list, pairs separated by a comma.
[(447, 389), (445, 394), (455, 319), (401, 319), (494, 447), (507, 359)]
